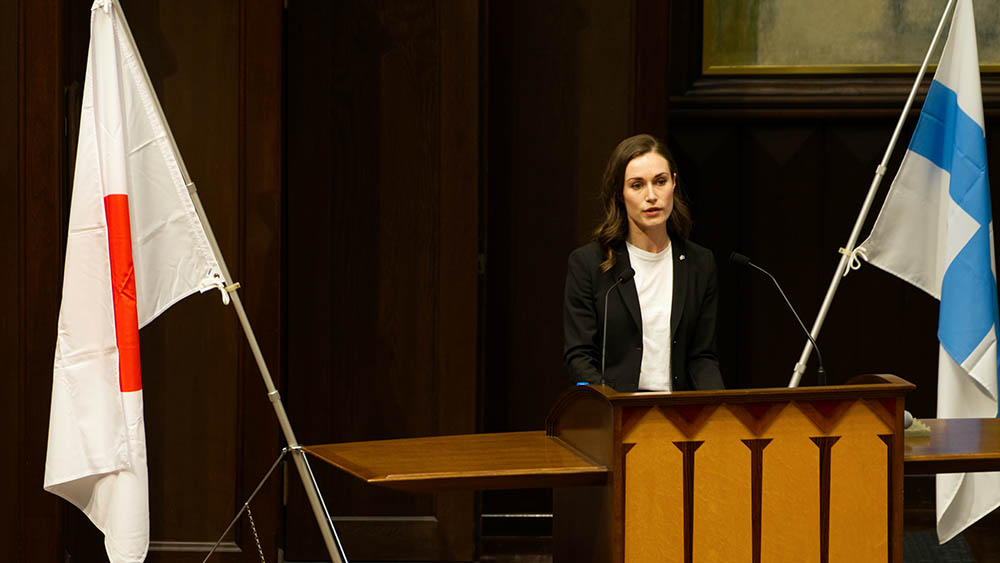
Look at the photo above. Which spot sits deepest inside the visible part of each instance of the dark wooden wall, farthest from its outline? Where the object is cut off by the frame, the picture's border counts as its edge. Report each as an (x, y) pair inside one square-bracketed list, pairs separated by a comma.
[(383, 206), (9, 333), (559, 88), (397, 184), (560, 81), (34, 205)]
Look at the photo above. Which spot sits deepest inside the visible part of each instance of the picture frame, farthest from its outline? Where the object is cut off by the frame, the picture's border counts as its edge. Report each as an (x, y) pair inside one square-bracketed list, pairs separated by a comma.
[(788, 37)]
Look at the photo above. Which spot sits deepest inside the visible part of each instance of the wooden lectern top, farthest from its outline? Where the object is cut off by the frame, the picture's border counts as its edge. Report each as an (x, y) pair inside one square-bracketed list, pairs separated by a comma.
[(867, 386), (573, 450), (511, 460)]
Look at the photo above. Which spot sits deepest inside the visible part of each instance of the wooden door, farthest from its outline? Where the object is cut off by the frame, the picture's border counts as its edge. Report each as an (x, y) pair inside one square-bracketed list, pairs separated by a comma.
[(382, 201)]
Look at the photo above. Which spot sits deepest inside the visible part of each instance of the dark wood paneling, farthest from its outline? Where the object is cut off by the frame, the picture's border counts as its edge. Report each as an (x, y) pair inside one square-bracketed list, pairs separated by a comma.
[(561, 79), (813, 175), (382, 175), (818, 203), (651, 52), (40, 202), (191, 400), (9, 265), (547, 152), (210, 429), (683, 31), (262, 249), (457, 276)]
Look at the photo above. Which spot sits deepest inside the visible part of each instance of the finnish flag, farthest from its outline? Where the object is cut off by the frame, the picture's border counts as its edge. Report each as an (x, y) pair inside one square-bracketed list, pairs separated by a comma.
[(936, 231)]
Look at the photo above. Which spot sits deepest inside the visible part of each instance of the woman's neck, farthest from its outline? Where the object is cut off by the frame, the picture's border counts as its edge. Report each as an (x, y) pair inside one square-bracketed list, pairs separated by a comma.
[(654, 242)]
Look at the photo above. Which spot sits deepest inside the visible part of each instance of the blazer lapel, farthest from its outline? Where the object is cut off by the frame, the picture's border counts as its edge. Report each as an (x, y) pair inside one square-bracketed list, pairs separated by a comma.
[(627, 290), (680, 284)]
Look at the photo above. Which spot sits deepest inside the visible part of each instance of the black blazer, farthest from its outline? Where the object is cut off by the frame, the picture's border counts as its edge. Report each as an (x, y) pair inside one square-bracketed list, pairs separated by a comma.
[(694, 361)]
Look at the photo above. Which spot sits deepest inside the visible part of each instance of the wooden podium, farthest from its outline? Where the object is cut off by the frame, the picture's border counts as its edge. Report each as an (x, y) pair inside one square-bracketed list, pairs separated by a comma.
[(805, 474)]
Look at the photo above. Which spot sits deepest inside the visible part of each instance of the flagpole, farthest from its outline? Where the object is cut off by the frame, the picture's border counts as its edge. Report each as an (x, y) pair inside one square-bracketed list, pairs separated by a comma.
[(848, 250), (298, 455), (323, 519)]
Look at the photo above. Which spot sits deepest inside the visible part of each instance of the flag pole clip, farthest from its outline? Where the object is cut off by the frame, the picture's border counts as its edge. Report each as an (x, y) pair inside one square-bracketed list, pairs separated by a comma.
[(102, 5), (216, 282), (854, 262)]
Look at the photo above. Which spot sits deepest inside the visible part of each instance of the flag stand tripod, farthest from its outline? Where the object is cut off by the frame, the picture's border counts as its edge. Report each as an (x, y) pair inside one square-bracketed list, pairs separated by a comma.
[(316, 501), (847, 252), (246, 505), (327, 530)]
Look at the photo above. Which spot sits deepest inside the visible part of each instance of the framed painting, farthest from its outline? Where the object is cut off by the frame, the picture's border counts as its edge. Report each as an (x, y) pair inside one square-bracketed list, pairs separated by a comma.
[(823, 37)]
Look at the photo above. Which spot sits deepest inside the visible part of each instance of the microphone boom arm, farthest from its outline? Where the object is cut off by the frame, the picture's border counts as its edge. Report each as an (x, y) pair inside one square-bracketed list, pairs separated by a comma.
[(820, 373)]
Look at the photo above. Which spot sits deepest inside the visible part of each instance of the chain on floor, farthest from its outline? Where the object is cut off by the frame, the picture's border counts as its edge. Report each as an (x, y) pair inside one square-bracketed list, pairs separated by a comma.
[(253, 527)]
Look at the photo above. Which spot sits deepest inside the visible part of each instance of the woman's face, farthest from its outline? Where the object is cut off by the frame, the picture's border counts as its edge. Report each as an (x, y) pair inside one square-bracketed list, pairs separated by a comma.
[(648, 192)]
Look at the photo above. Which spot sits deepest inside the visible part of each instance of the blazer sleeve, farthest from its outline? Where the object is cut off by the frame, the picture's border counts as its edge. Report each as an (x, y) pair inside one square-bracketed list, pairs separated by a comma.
[(581, 351), (703, 358)]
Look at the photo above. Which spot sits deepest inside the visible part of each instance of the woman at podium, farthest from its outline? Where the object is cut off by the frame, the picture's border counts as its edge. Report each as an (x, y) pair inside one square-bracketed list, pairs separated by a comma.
[(642, 283)]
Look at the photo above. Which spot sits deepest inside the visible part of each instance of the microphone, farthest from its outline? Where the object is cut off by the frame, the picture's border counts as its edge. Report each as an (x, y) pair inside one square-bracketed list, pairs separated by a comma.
[(623, 277), (741, 260)]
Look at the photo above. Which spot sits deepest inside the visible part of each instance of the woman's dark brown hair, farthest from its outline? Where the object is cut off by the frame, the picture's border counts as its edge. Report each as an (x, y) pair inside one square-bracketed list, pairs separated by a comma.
[(614, 227)]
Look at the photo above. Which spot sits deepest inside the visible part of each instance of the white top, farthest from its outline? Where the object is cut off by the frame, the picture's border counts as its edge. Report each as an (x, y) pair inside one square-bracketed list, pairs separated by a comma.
[(654, 281)]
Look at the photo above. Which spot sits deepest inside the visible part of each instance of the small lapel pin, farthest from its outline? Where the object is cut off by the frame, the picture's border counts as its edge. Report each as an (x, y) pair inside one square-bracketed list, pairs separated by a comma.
[(682, 257)]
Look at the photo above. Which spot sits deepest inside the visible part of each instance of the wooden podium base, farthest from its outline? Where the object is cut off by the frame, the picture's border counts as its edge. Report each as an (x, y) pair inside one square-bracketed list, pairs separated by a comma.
[(765, 474)]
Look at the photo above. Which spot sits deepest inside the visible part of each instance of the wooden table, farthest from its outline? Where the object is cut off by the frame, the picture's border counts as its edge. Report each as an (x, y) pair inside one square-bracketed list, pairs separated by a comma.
[(511, 460), (955, 446), (515, 460)]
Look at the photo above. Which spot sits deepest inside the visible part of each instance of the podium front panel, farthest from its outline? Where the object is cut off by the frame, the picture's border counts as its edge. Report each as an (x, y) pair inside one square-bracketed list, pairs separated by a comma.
[(780, 481)]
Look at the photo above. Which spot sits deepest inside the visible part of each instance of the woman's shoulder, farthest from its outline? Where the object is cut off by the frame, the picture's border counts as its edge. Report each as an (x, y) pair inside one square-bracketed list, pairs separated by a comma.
[(593, 253), (590, 251), (697, 253), (586, 260)]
